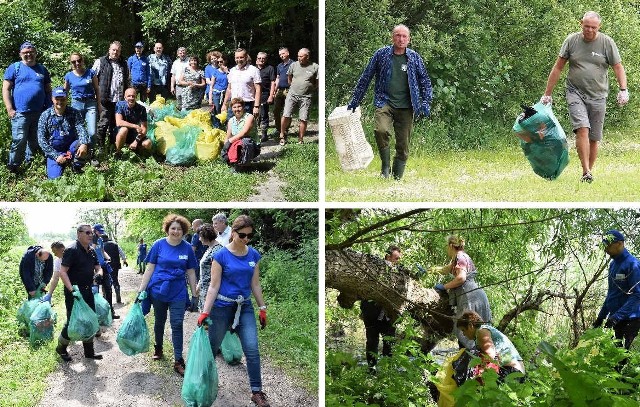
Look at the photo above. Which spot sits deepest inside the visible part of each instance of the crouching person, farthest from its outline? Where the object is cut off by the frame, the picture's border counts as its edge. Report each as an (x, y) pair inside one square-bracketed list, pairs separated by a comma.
[(239, 146), (131, 124), (62, 136)]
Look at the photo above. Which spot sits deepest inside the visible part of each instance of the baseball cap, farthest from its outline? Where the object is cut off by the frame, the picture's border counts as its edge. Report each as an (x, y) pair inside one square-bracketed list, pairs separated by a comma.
[(59, 92), (612, 236), (98, 228), (27, 44), (139, 44)]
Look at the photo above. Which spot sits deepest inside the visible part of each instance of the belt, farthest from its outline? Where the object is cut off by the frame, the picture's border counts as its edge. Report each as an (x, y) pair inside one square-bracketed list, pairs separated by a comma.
[(239, 301)]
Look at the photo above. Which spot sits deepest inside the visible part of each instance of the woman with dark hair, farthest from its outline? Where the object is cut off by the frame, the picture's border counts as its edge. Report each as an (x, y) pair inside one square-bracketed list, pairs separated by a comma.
[(169, 259), (194, 83), (235, 276), (208, 236)]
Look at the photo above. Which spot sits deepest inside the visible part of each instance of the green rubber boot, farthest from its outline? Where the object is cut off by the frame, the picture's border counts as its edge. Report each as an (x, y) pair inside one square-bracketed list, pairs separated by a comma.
[(398, 168), (385, 157)]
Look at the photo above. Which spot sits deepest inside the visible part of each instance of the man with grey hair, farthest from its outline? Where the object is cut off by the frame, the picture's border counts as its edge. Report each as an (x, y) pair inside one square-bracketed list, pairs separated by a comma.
[(589, 53), (303, 81), (402, 93), (177, 69), (267, 93), (220, 224)]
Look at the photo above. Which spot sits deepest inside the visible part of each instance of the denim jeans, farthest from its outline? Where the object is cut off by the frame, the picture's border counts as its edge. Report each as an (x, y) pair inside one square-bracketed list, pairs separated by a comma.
[(24, 137), (217, 103), (55, 170), (222, 318), (89, 111), (176, 316)]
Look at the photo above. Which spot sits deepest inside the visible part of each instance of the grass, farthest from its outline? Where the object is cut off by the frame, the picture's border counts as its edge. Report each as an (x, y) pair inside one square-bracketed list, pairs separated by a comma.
[(299, 166), (500, 174)]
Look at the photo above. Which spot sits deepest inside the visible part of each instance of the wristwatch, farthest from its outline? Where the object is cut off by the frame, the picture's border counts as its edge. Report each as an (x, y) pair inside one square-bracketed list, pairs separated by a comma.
[(263, 307)]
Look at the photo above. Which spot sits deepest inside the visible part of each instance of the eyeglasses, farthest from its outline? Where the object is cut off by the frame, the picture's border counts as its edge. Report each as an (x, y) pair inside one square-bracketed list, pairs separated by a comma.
[(86, 232), (245, 235), (76, 61)]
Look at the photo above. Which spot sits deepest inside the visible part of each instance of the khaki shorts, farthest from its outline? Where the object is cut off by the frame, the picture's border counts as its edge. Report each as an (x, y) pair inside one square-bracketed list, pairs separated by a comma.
[(587, 113), (290, 103)]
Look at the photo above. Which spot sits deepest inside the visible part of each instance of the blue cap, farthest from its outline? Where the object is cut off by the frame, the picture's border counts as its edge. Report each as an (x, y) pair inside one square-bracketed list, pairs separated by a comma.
[(612, 236), (139, 44), (99, 228), (27, 44), (59, 92)]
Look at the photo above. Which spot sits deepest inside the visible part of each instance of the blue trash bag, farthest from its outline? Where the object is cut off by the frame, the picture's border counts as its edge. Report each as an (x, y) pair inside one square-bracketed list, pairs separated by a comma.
[(200, 385), (83, 323), (103, 309), (231, 349), (133, 335), (543, 140), (42, 323)]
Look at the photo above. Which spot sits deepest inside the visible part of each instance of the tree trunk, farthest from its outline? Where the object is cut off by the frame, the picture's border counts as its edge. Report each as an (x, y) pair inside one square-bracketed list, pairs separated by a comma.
[(360, 276)]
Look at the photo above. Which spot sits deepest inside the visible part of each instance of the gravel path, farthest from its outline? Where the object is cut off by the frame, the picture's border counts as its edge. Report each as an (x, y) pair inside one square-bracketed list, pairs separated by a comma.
[(119, 380)]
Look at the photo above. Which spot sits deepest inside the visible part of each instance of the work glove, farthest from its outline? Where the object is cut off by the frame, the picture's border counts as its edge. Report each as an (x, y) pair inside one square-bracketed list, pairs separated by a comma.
[(440, 287), (98, 279), (142, 295), (263, 318), (597, 323), (46, 298), (193, 307), (352, 107), (421, 269), (623, 97), (611, 323), (94, 289), (202, 317), (76, 293), (546, 100)]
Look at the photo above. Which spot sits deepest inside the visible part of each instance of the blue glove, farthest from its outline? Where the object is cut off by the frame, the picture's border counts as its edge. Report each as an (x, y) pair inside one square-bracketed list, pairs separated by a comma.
[(421, 269), (440, 287), (352, 107), (94, 289), (611, 323), (76, 293), (46, 297)]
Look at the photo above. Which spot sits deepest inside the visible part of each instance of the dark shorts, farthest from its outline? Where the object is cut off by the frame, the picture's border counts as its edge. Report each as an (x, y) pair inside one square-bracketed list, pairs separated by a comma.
[(131, 135)]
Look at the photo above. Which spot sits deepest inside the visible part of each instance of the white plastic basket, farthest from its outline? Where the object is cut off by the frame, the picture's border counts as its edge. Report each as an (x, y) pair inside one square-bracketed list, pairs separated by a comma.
[(353, 149)]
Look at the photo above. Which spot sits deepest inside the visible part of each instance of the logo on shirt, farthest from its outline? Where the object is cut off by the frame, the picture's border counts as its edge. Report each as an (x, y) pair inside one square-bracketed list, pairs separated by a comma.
[(252, 263), (404, 67), (39, 75), (595, 54), (620, 277), (183, 257)]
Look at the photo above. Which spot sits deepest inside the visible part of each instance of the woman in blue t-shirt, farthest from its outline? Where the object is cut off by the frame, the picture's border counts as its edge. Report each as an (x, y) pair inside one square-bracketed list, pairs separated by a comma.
[(235, 276), (168, 261), (85, 93)]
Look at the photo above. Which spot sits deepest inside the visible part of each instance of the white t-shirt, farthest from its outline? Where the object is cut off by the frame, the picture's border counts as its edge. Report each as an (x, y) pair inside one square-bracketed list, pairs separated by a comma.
[(243, 82), (224, 237), (178, 67)]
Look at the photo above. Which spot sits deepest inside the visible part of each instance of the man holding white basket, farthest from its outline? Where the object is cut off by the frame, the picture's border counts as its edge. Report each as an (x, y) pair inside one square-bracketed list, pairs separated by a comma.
[(402, 93)]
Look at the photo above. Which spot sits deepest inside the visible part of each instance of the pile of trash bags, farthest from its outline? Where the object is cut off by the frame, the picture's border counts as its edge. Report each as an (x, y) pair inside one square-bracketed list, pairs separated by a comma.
[(543, 140), (38, 319), (183, 138)]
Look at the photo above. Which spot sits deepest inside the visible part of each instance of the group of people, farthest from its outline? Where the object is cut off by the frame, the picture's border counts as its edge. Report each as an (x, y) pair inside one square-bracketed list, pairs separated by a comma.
[(403, 92), (218, 265), (104, 109)]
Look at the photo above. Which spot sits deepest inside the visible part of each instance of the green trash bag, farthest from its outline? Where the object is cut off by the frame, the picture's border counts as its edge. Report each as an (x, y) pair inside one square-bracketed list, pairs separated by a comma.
[(231, 349), (83, 323), (133, 335), (184, 151), (41, 323), (103, 310), (25, 311), (200, 385), (543, 140)]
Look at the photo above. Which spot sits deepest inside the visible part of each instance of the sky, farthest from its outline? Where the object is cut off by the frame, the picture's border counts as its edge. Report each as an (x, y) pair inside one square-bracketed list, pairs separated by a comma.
[(49, 217)]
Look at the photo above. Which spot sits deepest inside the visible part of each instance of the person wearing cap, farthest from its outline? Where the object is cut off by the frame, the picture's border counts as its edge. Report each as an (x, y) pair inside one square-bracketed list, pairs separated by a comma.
[(26, 92), (160, 70), (589, 53), (62, 136), (118, 259), (36, 269), (140, 72), (131, 119), (113, 78), (177, 69), (621, 308), (98, 243)]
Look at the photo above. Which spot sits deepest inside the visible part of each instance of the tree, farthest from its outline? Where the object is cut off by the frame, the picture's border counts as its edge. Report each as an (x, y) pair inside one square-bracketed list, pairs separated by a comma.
[(113, 220), (13, 231)]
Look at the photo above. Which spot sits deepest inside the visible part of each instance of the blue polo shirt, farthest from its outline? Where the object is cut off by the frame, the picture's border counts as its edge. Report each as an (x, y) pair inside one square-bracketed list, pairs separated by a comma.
[(167, 283), (29, 84), (136, 114), (623, 296), (81, 86), (140, 70), (237, 272), (282, 69), (198, 247)]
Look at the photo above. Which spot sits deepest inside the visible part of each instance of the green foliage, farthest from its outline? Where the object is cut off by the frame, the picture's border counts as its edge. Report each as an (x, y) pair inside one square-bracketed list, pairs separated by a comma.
[(299, 166), (12, 229)]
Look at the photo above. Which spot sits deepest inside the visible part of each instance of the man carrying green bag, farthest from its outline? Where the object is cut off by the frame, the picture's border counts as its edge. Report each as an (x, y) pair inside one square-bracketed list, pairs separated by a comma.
[(200, 385), (133, 335), (79, 264)]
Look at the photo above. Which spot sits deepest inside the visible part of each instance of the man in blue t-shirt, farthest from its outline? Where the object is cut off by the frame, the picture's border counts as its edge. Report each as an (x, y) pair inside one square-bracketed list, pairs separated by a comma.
[(131, 125), (140, 72), (282, 88), (26, 92)]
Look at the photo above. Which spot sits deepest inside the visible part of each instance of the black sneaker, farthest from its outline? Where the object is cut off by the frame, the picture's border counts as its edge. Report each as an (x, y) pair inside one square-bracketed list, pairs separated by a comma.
[(588, 178)]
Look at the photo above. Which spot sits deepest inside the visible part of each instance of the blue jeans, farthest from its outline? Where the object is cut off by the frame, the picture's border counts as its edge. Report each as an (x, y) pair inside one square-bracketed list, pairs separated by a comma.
[(24, 137), (222, 318), (217, 103), (176, 316), (89, 111), (55, 170)]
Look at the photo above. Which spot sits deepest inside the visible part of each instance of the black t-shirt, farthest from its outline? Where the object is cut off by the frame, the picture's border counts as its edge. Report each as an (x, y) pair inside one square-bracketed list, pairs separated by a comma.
[(268, 75), (81, 264)]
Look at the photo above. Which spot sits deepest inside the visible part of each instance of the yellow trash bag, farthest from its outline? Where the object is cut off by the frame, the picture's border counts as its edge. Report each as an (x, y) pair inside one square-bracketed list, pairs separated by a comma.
[(209, 144), (199, 117), (158, 103), (175, 121), (164, 136), (222, 116), (445, 383)]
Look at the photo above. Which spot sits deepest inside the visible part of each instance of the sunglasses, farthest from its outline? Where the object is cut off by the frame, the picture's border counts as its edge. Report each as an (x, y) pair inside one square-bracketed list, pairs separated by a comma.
[(245, 235), (76, 61)]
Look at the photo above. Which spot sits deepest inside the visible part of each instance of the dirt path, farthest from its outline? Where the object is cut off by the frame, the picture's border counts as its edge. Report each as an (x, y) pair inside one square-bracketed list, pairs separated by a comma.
[(119, 380)]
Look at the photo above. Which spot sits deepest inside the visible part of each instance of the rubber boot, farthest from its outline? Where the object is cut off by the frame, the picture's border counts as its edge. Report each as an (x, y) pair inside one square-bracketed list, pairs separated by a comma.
[(61, 349), (157, 355), (385, 157), (398, 168), (89, 353), (116, 288)]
